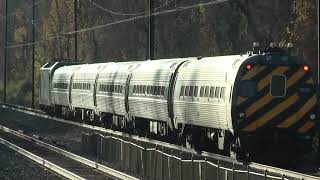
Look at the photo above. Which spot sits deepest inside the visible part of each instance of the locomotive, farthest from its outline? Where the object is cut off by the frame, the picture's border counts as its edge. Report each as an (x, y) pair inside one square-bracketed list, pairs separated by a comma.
[(235, 104)]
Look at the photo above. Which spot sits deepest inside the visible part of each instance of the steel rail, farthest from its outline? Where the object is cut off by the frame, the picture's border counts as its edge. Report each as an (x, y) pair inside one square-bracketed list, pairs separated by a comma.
[(43, 162), (121, 134), (70, 155), (269, 169), (285, 172)]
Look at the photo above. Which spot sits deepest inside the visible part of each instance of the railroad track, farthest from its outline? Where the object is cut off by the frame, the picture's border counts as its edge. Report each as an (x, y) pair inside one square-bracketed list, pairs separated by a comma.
[(66, 164), (267, 171)]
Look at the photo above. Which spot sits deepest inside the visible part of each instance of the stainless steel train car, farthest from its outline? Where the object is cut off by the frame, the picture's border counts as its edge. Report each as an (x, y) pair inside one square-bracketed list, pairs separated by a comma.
[(231, 104)]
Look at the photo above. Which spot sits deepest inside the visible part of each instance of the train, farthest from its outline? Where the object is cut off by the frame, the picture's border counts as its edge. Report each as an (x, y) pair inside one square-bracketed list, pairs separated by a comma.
[(236, 105)]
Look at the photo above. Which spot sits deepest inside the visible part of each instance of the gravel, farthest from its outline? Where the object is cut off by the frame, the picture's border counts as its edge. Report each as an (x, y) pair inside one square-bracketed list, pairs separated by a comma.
[(15, 166), (65, 136)]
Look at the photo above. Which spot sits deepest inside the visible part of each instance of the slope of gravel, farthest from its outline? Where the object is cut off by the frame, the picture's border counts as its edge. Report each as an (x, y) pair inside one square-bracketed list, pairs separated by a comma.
[(14, 166), (65, 136)]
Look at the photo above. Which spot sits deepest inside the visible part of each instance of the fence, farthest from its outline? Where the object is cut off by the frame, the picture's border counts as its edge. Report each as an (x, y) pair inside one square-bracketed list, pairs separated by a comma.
[(147, 162)]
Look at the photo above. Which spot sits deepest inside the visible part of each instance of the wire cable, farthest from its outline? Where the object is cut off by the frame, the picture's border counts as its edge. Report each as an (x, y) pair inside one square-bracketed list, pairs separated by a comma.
[(57, 35), (130, 14)]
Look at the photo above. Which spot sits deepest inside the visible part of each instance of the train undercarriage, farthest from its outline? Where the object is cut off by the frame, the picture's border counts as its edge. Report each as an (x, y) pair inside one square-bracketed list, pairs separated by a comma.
[(261, 147), (198, 138)]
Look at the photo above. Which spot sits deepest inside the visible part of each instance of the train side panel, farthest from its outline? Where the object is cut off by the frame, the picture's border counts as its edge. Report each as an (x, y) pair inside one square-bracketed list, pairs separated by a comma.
[(61, 85), (83, 86), (111, 85), (202, 93), (149, 87)]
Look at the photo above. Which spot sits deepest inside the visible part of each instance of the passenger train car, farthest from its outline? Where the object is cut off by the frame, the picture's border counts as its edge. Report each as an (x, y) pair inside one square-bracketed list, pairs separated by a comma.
[(230, 104)]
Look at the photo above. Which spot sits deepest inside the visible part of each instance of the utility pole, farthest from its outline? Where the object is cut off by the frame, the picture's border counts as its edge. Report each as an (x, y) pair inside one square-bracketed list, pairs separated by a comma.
[(75, 16), (5, 57), (33, 49), (151, 31)]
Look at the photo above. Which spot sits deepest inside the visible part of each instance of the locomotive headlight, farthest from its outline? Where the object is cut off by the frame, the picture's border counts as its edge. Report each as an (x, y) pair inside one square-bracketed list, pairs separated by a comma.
[(312, 116), (241, 114)]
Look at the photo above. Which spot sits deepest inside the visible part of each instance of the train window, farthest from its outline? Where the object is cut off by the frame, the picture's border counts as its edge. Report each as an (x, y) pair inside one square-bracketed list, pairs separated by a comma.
[(211, 92), (182, 91), (134, 88), (201, 91), (155, 90), (111, 88), (248, 88), (222, 93), (152, 90), (144, 89), (278, 85), (162, 90), (206, 92), (121, 88), (195, 92), (216, 94), (148, 90), (191, 90), (158, 90), (186, 91)]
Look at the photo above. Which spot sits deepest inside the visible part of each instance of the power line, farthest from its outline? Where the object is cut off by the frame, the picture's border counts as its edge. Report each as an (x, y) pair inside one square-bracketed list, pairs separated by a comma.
[(57, 35), (129, 14)]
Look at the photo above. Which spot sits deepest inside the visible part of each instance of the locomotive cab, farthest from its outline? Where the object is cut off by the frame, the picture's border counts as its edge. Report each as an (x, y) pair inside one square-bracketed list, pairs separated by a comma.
[(275, 101)]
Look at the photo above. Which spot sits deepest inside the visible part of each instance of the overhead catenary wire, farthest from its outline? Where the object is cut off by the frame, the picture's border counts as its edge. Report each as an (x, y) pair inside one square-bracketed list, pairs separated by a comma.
[(57, 35), (130, 14)]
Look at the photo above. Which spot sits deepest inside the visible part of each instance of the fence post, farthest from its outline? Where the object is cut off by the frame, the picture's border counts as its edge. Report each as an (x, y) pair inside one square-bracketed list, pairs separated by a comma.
[(205, 168), (130, 169), (248, 172), (192, 167), (155, 163), (180, 165), (218, 169), (232, 171), (162, 164), (169, 164), (143, 161)]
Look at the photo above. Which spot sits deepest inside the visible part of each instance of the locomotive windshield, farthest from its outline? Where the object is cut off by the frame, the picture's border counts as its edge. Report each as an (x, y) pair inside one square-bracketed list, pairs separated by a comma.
[(248, 88), (278, 86)]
